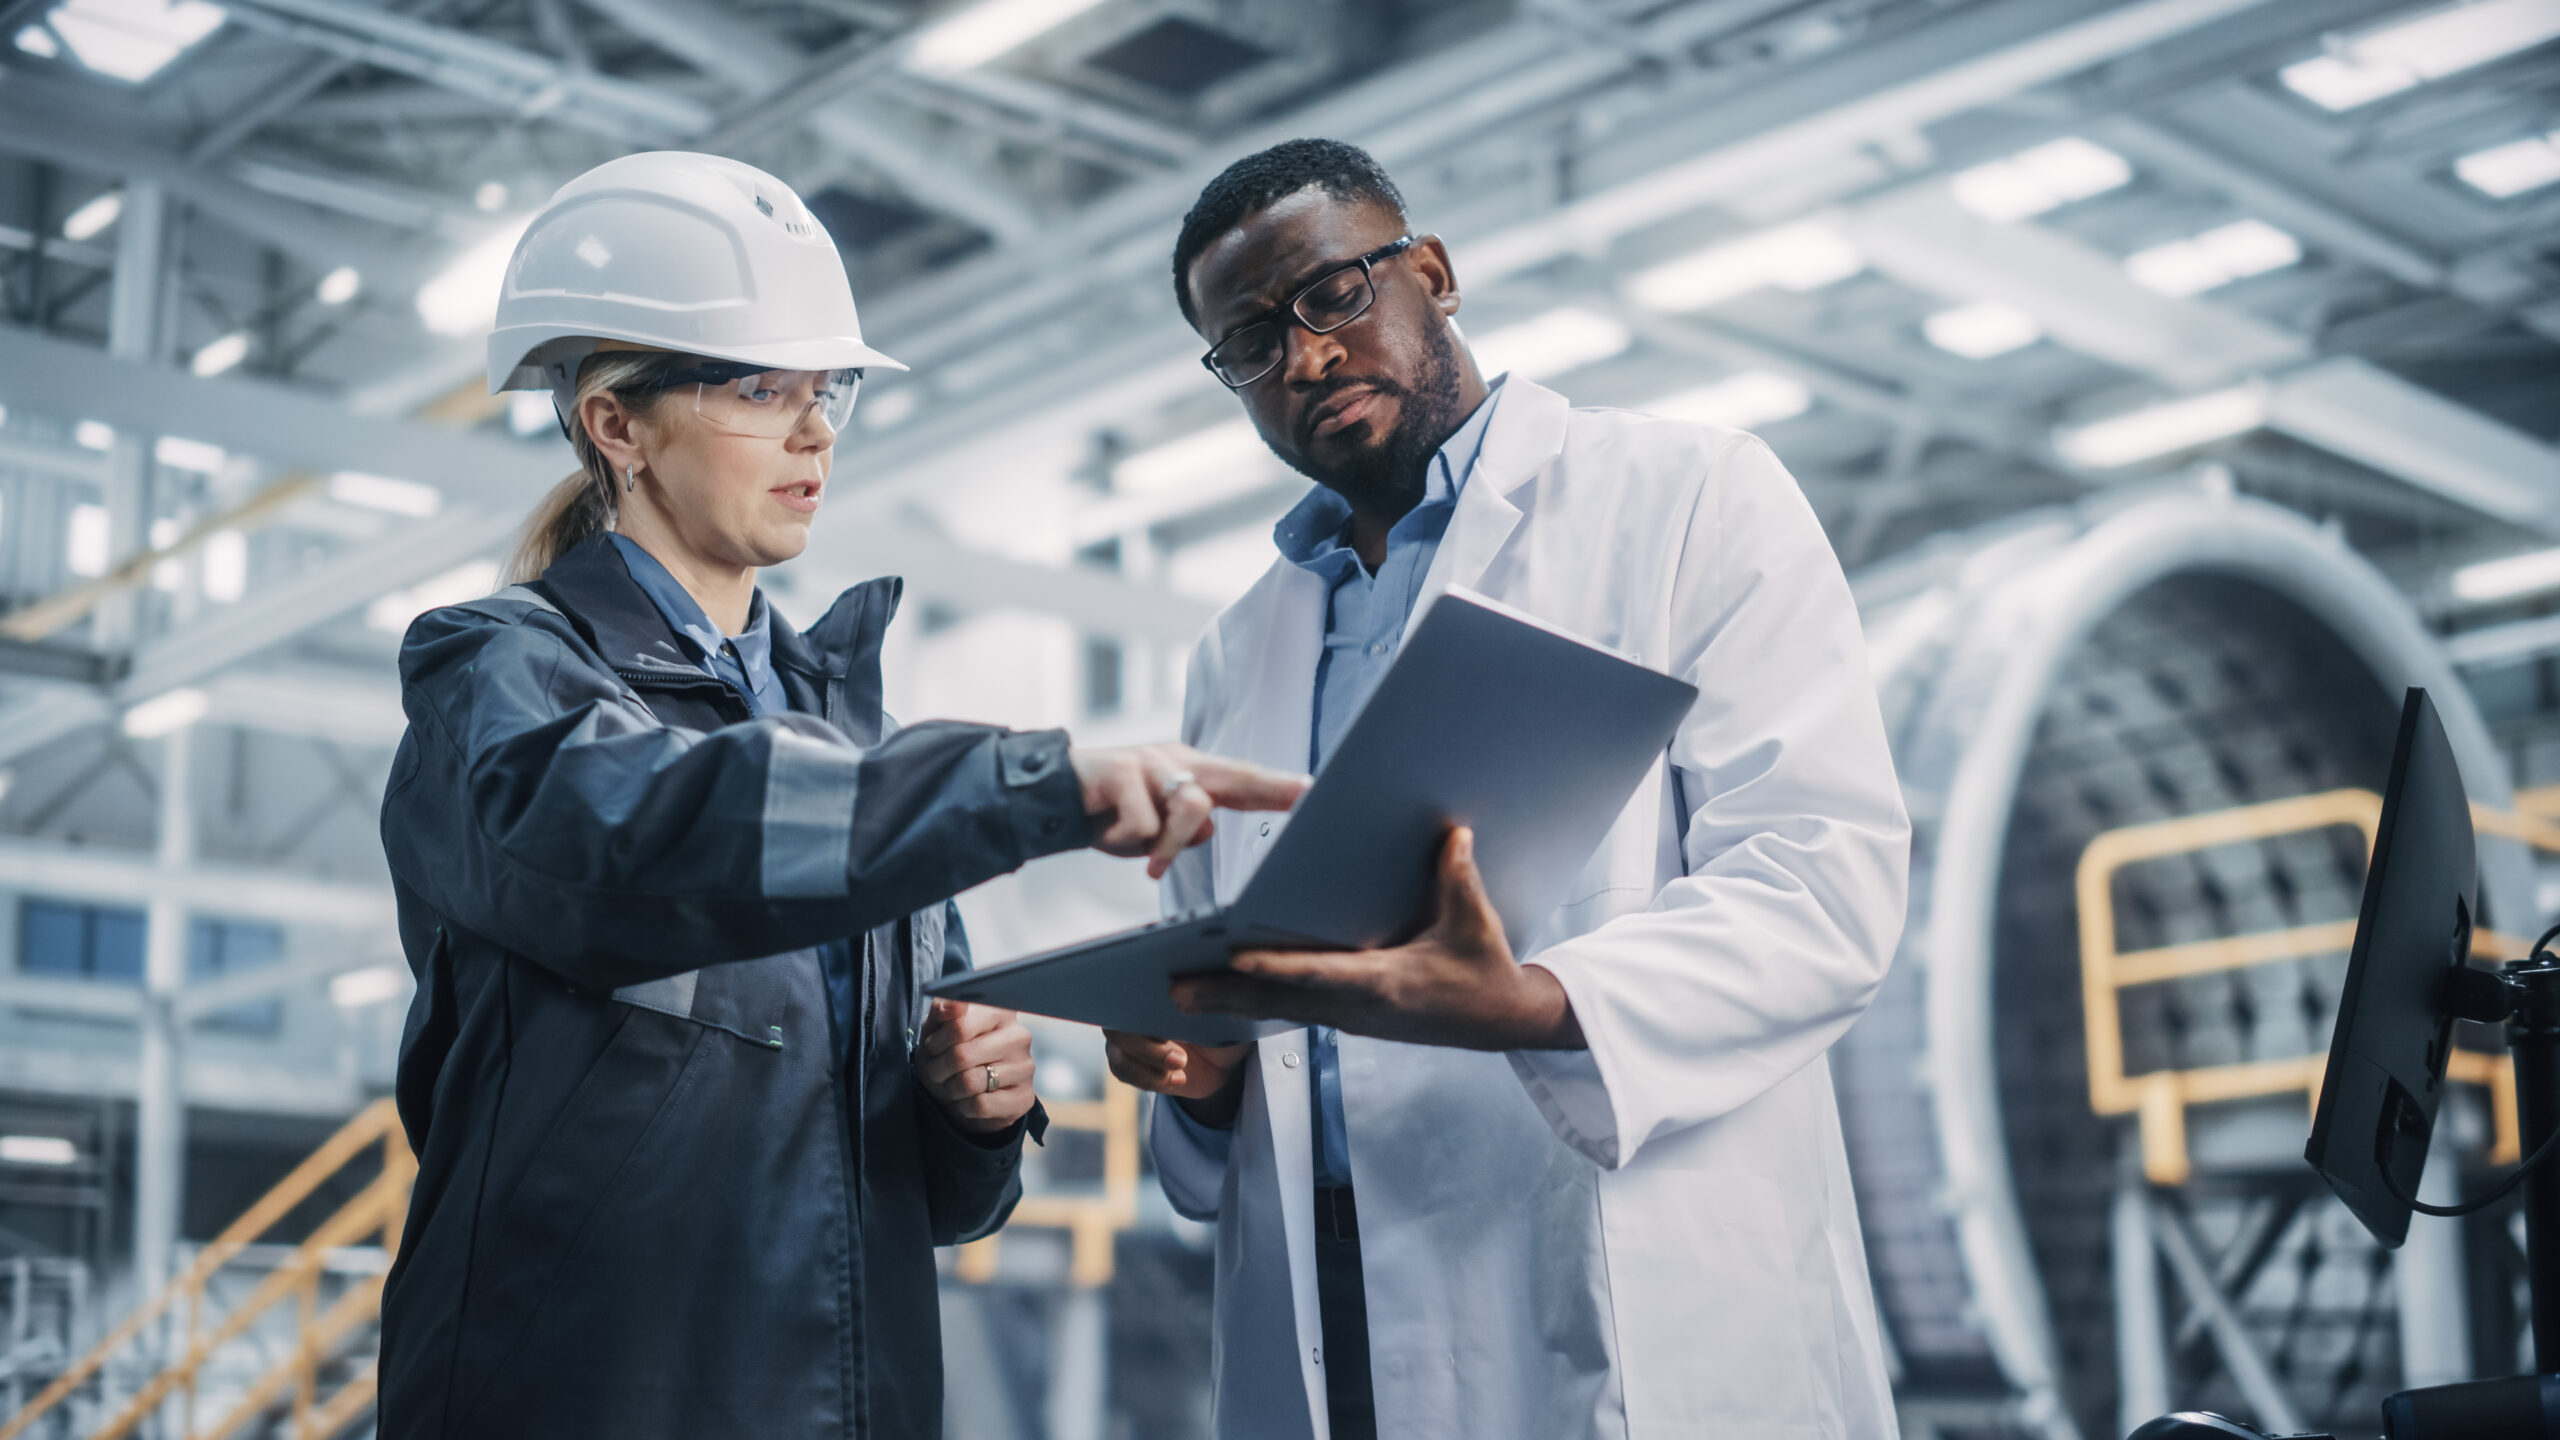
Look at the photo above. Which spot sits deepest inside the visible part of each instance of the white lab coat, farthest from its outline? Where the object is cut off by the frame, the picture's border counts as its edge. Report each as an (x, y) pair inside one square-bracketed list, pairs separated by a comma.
[(1654, 1237)]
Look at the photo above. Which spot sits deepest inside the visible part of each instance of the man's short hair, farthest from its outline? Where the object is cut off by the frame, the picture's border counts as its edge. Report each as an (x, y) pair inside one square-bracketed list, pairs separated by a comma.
[(1255, 182)]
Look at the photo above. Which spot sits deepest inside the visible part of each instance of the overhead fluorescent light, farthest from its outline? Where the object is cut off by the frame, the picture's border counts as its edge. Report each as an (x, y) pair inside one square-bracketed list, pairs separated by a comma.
[(971, 37), (2216, 257), (463, 298), (94, 435), (381, 492), (1980, 331), (222, 568), (2511, 169), (39, 42), (339, 286), (491, 196), (220, 354), (1207, 455), (2163, 429), (356, 989), (2505, 579), (166, 713), (93, 217), (1806, 255), (85, 541), (1546, 345), (392, 613), (1752, 398), (37, 1150), (133, 39), (180, 453), (2044, 177), (2398, 57)]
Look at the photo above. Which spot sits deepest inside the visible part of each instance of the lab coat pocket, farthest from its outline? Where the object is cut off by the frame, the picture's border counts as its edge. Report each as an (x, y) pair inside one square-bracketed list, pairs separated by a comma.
[(1709, 1306)]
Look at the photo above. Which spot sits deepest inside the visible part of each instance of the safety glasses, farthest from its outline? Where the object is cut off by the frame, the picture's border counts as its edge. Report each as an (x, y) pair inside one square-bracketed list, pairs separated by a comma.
[(770, 404)]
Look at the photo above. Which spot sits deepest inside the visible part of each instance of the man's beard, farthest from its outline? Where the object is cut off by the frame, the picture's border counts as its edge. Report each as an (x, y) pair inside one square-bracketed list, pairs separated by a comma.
[(1388, 478)]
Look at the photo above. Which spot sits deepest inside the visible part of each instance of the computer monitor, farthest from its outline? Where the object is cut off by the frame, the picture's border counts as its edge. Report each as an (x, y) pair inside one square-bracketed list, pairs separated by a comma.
[(2394, 1035)]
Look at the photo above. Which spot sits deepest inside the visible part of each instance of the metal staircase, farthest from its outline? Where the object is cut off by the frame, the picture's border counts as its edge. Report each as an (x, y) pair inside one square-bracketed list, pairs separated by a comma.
[(253, 1338)]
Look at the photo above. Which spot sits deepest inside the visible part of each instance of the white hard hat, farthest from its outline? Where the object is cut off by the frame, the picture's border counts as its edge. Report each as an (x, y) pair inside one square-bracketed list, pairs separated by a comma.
[(676, 251)]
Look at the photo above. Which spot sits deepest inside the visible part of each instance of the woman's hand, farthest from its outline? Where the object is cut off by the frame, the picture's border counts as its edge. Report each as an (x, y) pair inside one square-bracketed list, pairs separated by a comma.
[(975, 1061), (1207, 1079), (1154, 800)]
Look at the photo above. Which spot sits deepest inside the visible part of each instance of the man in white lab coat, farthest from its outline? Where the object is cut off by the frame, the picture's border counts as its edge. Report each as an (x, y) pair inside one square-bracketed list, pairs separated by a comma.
[(1597, 1189)]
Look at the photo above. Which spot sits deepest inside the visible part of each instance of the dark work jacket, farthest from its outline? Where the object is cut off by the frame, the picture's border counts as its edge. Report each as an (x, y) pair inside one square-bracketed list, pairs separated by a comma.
[(656, 1197)]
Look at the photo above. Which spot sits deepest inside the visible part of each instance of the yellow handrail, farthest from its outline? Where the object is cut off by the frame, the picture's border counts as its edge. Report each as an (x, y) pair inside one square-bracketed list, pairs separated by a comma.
[(2160, 1098), (381, 1208)]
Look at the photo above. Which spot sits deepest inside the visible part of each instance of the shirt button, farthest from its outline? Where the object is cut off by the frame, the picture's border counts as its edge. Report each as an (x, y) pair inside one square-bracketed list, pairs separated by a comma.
[(1266, 827), (1378, 647), (1289, 1058)]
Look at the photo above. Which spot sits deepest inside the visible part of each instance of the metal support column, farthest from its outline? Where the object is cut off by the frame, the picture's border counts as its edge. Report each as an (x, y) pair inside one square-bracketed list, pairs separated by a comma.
[(2435, 1308), (160, 1110), (1077, 1355), (133, 333), (2142, 1349)]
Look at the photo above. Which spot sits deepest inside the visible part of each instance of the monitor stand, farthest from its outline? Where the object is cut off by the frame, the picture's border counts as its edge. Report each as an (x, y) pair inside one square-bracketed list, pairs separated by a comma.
[(2525, 994)]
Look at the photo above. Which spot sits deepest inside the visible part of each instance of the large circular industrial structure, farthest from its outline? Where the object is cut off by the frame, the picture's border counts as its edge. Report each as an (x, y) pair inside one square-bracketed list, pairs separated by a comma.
[(2062, 676)]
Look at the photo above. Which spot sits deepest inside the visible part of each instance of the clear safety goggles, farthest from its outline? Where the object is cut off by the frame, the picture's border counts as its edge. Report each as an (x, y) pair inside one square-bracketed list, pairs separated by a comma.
[(771, 404)]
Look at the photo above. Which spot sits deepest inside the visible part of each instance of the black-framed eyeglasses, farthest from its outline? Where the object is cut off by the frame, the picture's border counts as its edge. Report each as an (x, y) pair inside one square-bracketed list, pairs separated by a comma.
[(1322, 305)]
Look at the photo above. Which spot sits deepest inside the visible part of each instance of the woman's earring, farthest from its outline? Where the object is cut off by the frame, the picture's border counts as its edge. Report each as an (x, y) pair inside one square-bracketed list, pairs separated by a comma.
[(631, 476)]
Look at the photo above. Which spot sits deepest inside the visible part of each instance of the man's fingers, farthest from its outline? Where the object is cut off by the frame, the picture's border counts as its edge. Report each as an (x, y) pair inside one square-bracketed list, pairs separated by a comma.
[(1258, 999), (1239, 785), (1462, 892), (1306, 967)]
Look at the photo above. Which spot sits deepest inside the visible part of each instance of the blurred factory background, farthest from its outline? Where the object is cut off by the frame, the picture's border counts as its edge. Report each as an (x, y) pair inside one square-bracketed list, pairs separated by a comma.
[(2177, 380)]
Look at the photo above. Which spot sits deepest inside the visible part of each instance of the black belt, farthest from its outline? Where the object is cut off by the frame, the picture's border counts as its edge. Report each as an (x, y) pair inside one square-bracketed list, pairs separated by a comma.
[(1336, 1217)]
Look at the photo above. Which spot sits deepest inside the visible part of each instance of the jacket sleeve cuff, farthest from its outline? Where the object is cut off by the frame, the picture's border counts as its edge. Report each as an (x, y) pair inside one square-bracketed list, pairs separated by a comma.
[(1042, 795), (1569, 1089), (993, 1151), (1191, 1159)]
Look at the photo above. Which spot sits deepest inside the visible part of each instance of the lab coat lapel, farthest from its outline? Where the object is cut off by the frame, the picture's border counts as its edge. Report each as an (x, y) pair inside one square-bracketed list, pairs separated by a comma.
[(1525, 436)]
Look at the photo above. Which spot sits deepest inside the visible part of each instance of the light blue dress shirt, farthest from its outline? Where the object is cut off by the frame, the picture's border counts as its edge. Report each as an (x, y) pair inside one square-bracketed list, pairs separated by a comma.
[(1364, 623), (744, 660)]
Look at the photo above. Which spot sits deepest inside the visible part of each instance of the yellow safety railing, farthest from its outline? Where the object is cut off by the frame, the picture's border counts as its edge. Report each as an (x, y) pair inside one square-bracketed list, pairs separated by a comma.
[(2160, 1097), (378, 1211), (1091, 1221)]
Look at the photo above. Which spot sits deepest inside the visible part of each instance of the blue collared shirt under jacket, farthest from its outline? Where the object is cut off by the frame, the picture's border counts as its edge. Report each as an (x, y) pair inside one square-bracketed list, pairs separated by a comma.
[(744, 662), (1364, 624)]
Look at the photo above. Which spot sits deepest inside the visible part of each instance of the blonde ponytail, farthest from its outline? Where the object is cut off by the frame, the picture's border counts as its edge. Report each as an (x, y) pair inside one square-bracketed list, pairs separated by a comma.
[(583, 504)]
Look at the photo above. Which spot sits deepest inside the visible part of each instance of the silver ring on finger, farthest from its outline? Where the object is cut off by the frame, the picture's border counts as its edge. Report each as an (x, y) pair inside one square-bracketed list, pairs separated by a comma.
[(1173, 784), (993, 1084)]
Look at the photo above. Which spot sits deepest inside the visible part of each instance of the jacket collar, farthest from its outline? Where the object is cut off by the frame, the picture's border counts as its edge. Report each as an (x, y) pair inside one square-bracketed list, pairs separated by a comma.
[(840, 655)]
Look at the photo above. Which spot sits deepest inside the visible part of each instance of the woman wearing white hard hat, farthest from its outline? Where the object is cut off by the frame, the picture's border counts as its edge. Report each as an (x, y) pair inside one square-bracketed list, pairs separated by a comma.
[(671, 883)]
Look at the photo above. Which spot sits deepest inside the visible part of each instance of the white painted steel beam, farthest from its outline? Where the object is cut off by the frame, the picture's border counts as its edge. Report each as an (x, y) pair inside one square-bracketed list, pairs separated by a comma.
[(1965, 61), (724, 44), (2375, 418), (2081, 296), (133, 878), (56, 123)]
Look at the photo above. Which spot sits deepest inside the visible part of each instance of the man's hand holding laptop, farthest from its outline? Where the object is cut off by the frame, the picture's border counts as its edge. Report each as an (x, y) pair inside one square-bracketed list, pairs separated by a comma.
[(1455, 984)]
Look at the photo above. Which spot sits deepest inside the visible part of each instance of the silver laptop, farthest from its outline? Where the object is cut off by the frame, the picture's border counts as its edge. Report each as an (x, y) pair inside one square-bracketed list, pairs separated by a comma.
[(1490, 719)]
